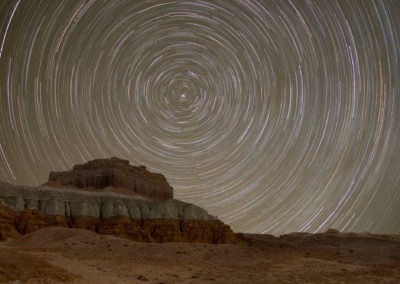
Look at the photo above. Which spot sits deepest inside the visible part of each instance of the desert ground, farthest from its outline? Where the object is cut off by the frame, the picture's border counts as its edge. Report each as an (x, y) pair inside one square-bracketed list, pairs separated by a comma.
[(63, 255)]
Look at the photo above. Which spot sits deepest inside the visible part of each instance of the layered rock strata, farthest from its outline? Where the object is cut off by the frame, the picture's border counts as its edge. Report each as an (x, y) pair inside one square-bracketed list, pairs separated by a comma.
[(26, 209), (114, 172)]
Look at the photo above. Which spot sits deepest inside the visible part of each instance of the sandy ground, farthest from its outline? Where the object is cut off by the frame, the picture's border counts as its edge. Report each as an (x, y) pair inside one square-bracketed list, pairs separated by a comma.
[(56, 255)]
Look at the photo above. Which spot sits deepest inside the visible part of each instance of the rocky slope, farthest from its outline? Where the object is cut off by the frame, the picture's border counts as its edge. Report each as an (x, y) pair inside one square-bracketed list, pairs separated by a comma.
[(26, 209), (57, 254)]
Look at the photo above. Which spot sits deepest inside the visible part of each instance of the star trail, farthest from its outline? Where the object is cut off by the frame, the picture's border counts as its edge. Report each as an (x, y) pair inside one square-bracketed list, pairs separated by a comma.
[(276, 116)]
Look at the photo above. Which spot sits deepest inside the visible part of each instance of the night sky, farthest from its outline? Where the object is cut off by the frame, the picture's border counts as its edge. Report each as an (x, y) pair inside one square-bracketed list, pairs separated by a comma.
[(276, 116)]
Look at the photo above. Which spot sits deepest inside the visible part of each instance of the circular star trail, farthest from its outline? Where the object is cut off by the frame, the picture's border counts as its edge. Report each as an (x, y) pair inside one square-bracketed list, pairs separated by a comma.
[(276, 116)]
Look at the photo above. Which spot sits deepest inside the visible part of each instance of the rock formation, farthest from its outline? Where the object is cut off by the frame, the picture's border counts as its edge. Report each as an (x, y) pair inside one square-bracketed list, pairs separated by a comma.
[(26, 209), (15, 223), (7, 223), (114, 172)]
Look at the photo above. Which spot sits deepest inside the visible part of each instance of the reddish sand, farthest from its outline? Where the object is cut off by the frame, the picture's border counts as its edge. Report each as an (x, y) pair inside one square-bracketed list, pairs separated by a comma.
[(56, 254)]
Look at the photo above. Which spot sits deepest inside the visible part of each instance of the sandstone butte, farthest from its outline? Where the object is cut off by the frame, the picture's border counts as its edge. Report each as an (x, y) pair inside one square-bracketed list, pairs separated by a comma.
[(109, 196)]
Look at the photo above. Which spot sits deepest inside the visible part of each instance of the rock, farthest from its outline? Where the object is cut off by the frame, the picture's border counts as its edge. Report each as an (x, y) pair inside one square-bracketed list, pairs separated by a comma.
[(28, 221), (7, 227), (142, 278), (32, 208), (65, 201), (12, 224), (76, 203), (124, 227), (114, 172), (202, 231)]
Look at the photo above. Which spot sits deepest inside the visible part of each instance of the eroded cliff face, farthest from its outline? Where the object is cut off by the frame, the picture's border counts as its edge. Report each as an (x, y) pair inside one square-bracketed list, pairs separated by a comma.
[(73, 203), (114, 172), (26, 209)]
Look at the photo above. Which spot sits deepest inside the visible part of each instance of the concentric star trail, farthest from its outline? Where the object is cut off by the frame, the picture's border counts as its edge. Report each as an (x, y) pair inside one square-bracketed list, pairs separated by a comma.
[(276, 116)]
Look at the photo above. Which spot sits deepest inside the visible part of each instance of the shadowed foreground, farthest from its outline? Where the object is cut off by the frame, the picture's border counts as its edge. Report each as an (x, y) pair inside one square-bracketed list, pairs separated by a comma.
[(57, 254)]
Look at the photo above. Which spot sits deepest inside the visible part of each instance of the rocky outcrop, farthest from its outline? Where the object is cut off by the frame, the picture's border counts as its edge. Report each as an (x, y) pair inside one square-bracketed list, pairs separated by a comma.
[(90, 197), (7, 223), (114, 172), (12, 224), (75, 203), (31, 208)]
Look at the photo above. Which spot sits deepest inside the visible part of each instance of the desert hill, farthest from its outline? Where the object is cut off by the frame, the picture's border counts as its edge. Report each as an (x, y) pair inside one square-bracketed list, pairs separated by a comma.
[(57, 254)]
